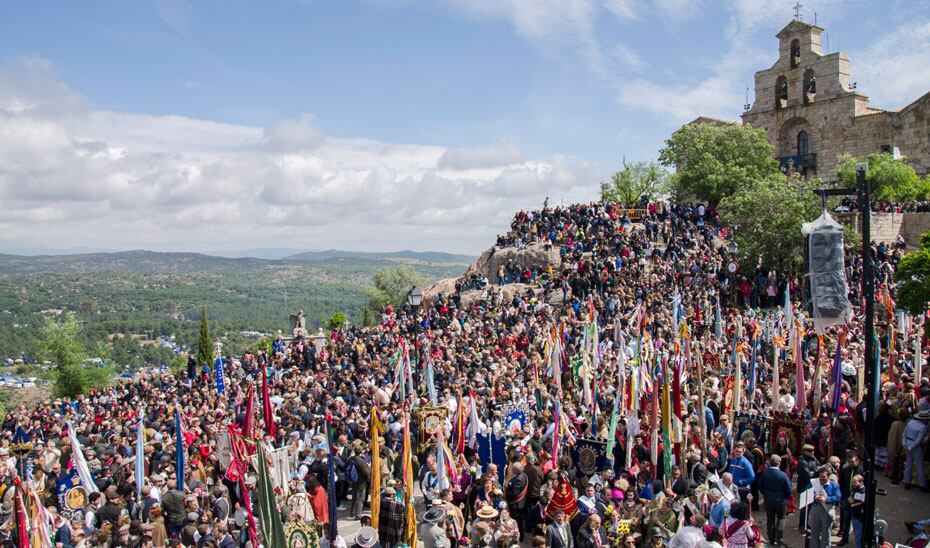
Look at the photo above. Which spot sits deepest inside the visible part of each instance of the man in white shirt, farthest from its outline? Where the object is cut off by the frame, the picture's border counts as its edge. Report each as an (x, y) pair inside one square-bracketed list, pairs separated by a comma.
[(587, 504)]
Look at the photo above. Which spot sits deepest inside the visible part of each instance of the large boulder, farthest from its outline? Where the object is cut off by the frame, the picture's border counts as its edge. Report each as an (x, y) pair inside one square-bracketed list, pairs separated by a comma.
[(445, 286), (539, 253)]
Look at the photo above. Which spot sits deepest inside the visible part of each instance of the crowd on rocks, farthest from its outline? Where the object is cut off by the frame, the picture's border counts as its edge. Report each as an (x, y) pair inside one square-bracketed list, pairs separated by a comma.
[(659, 404)]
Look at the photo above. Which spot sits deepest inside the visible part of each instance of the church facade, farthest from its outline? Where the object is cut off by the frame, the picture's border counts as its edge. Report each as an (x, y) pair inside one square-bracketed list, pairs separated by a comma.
[(811, 113)]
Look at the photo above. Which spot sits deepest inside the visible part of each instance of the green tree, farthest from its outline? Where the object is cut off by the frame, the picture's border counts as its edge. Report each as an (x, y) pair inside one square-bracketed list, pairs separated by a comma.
[(715, 161), (391, 286), (635, 181), (337, 320), (768, 217), (204, 343), (60, 345), (913, 275), (125, 351), (889, 179)]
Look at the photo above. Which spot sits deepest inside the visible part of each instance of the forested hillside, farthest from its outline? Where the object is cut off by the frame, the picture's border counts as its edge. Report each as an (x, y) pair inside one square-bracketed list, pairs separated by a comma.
[(161, 293)]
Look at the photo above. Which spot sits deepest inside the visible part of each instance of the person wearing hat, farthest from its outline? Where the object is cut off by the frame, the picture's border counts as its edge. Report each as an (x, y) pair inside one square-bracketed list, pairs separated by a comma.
[(915, 435), (656, 537), (366, 537), (432, 532)]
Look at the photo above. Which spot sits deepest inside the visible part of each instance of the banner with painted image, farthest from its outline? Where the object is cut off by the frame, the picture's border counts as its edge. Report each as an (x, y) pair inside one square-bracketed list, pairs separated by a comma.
[(590, 455)]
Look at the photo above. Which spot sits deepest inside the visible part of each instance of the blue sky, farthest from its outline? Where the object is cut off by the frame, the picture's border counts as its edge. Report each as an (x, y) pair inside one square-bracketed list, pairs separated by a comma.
[(375, 124)]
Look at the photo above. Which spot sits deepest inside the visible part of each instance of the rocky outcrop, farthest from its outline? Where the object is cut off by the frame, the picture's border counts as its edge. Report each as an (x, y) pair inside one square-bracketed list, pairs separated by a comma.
[(539, 254), (445, 286)]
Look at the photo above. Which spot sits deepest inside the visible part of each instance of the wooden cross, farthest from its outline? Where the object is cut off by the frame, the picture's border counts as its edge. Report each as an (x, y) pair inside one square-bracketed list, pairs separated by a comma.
[(797, 10)]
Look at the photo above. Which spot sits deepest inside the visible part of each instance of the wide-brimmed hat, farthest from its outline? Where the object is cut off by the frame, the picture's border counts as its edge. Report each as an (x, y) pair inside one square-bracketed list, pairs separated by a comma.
[(366, 537), (923, 415), (433, 515), (486, 512)]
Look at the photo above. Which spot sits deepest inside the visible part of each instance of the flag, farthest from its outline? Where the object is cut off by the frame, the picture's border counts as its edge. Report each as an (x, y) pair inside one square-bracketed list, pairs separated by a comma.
[(80, 463), (562, 499), (248, 421), (220, 378), (268, 515), (19, 512), (752, 369), (179, 448), (140, 456), (837, 375), (236, 473), (448, 459), (475, 426), (718, 322), (458, 432), (267, 411), (801, 400), (375, 431), (556, 436), (411, 529), (331, 485)]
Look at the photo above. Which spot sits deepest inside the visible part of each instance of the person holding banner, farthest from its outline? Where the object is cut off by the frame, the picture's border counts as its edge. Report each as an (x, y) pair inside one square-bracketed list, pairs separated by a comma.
[(826, 496)]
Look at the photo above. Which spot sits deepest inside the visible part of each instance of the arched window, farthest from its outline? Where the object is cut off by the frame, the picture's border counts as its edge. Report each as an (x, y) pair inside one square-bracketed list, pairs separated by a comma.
[(810, 86), (795, 53), (804, 144), (781, 92)]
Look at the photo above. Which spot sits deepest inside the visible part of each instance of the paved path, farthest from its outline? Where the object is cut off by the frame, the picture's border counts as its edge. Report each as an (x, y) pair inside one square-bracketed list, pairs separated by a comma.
[(897, 507)]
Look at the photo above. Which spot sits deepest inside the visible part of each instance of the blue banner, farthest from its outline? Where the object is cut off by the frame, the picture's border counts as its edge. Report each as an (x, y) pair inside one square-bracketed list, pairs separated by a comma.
[(493, 449), (590, 456), (220, 381)]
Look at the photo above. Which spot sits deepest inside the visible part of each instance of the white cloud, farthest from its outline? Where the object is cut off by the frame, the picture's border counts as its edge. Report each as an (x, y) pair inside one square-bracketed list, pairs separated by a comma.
[(893, 70), (624, 10), (502, 154), (74, 175)]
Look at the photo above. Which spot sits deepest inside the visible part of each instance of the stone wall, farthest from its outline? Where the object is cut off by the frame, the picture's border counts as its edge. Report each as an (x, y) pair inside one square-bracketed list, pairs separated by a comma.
[(837, 119), (885, 227)]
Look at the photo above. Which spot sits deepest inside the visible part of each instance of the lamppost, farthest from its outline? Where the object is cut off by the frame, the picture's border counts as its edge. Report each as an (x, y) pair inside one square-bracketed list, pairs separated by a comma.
[(414, 297), (733, 247), (872, 365)]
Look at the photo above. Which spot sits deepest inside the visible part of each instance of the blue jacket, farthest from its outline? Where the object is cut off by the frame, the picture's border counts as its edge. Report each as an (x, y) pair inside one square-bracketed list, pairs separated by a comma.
[(774, 486), (832, 490), (742, 471), (719, 512)]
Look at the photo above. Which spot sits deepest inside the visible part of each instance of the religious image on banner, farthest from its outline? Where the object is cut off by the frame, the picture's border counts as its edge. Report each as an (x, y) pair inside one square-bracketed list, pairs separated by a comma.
[(791, 427), (432, 418), (711, 361), (515, 418), (728, 383), (746, 425), (589, 456)]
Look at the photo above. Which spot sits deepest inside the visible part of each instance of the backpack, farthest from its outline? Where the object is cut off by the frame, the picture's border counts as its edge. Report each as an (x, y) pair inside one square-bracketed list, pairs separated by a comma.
[(352, 473)]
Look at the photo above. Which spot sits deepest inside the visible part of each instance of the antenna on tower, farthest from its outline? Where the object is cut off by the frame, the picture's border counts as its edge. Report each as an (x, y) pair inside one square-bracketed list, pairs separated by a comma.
[(746, 105), (797, 10), (815, 17)]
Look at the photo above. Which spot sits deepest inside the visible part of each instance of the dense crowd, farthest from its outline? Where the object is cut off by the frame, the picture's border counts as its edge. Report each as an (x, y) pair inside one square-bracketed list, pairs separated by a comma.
[(630, 390)]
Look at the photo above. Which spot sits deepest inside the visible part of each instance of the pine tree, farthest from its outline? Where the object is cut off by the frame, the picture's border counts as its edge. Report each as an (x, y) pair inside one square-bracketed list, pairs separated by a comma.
[(204, 344)]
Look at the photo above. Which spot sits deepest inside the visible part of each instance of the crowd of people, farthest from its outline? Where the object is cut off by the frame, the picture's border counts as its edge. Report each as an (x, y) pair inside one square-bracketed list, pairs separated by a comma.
[(641, 392)]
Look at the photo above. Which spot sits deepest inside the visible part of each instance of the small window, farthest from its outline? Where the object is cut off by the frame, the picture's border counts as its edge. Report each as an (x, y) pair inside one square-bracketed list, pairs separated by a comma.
[(804, 144), (795, 53), (781, 92), (886, 149)]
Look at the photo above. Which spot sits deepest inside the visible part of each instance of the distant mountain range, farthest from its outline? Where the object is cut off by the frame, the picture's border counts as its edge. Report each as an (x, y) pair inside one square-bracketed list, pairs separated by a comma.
[(158, 262)]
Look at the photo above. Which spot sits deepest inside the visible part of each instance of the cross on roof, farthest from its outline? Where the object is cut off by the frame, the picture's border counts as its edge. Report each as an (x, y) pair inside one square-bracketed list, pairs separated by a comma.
[(797, 10)]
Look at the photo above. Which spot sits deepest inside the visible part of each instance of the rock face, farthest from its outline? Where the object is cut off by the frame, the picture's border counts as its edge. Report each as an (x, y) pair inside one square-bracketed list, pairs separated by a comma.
[(446, 286), (487, 264), (533, 254)]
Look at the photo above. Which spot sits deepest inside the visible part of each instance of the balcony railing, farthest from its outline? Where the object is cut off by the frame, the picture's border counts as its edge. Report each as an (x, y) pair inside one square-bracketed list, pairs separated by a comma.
[(800, 161)]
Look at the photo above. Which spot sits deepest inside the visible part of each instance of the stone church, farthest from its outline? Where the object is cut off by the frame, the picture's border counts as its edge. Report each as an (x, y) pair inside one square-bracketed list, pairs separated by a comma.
[(812, 113)]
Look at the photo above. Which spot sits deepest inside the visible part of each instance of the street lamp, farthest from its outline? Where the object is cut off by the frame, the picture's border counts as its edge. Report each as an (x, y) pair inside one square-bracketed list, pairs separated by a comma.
[(733, 247), (415, 297)]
